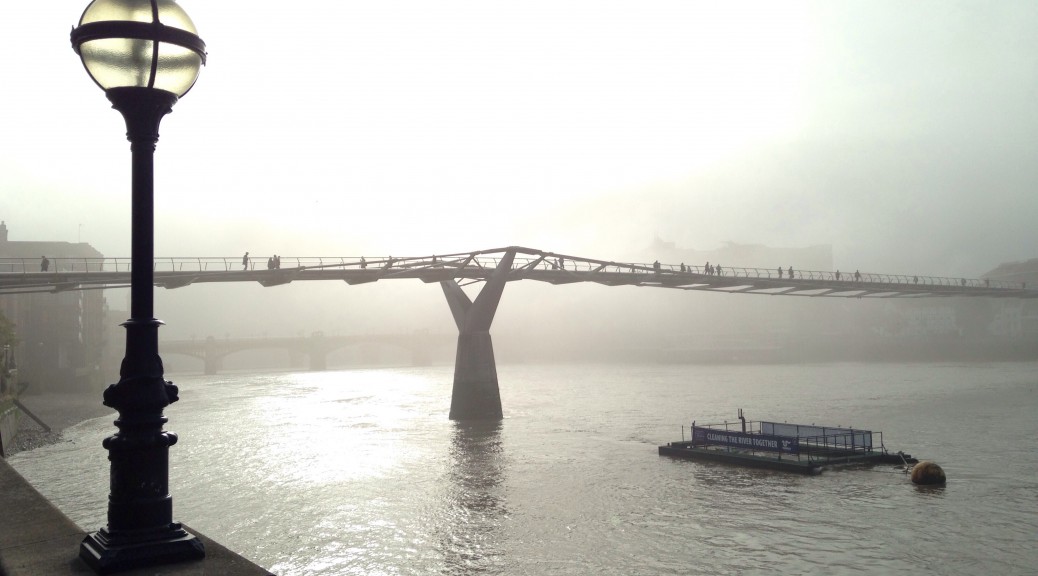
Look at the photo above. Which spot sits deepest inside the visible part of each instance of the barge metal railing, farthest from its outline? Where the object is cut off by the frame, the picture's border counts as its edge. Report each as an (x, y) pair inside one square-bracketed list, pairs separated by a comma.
[(783, 441)]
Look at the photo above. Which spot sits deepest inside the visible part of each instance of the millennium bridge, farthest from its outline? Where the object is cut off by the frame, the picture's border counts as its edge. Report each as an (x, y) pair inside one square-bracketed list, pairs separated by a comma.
[(476, 393), (20, 275)]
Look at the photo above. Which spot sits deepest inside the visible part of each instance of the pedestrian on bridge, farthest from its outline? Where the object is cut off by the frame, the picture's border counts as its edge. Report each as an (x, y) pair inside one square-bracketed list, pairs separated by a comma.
[(790, 272), (780, 271), (245, 261), (44, 264)]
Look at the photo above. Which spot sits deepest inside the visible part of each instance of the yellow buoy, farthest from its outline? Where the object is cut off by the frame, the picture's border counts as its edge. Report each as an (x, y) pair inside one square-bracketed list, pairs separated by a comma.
[(927, 472)]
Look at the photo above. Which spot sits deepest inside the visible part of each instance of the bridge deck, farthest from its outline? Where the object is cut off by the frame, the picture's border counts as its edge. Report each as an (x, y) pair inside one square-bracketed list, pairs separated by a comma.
[(19, 275)]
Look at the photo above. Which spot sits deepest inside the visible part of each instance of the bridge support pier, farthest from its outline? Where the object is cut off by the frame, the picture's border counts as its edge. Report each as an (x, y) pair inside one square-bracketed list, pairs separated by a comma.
[(318, 361), (476, 395), (212, 365), (212, 360), (318, 352)]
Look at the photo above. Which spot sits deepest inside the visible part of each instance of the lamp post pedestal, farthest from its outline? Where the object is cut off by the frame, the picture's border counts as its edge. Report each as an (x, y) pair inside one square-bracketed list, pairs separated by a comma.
[(141, 530)]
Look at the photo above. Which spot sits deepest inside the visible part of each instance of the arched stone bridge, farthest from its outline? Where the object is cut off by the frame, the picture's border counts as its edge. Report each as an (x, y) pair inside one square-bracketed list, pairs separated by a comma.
[(316, 347)]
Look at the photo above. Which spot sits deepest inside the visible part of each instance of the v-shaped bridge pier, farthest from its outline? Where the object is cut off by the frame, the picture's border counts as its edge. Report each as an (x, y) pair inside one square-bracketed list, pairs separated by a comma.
[(476, 395)]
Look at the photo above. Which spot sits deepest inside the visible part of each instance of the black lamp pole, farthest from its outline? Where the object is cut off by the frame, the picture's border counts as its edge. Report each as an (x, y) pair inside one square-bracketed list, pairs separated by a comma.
[(135, 61), (140, 530)]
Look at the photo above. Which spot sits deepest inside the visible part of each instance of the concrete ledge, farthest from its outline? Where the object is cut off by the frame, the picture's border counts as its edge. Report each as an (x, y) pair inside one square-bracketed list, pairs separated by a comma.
[(37, 539)]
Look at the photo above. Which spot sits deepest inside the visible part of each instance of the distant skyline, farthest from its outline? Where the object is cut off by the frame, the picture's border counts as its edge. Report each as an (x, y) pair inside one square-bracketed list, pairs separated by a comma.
[(901, 134)]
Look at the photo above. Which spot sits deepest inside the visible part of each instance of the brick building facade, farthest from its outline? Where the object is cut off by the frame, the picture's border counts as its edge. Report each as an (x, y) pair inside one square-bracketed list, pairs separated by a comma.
[(62, 334)]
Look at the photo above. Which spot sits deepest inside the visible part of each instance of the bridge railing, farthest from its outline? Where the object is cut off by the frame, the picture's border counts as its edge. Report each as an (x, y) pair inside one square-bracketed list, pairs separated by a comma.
[(57, 265), (544, 261), (835, 276), (163, 264), (734, 272)]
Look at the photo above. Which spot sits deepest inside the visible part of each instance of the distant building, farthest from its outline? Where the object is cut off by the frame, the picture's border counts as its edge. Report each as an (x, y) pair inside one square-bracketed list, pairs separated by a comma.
[(837, 328), (1017, 317), (61, 334), (756, 321)]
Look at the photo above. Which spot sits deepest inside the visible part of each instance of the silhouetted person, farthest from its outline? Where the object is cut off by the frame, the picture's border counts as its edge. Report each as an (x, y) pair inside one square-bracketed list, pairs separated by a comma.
[(270, 263), (682, 267), (915, 279), (717, 268), (562, 263), (656, 266), (277, 262), (857, 276), (780, 271), (44, 264), (363, 263), (245, 261), (790, 272), (707, 269), (837, 275)]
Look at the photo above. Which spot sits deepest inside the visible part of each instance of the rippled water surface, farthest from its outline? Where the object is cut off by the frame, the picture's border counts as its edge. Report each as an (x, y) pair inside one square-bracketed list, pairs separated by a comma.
[(360, 472)]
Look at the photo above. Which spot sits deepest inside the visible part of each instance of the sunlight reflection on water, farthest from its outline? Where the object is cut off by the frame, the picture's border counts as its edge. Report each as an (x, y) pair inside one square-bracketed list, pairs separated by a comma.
[(360, 472)]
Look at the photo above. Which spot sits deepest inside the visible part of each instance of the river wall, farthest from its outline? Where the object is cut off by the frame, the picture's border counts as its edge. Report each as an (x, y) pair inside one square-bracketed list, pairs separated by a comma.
[(10, 419)]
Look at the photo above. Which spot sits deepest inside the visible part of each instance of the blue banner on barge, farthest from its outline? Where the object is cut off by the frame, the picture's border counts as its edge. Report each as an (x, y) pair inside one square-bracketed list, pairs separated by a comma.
[(762, 442)]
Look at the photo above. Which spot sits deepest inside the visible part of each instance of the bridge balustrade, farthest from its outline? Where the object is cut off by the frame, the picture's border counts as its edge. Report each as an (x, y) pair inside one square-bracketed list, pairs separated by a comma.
[(58, 265), (822, 275), (583, 265), (542, 261)]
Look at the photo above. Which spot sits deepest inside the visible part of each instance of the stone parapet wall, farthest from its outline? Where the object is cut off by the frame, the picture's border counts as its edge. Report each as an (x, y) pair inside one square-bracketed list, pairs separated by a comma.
[(10, 419)]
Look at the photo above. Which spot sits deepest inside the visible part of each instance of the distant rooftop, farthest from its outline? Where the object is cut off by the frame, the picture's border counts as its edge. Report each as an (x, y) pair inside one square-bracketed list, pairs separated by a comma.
[(37, 249), (1026, 271)]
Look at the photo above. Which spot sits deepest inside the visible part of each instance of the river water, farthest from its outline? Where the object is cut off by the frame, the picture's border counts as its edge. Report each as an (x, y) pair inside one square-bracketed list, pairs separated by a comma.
[(361, 472)]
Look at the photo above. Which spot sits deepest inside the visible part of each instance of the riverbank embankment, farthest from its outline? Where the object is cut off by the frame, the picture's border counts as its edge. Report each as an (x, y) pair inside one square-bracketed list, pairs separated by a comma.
[(36, 538), (59, 411)]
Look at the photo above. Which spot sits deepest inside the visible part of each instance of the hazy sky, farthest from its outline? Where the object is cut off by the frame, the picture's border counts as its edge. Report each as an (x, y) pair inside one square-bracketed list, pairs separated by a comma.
[(902, 133)]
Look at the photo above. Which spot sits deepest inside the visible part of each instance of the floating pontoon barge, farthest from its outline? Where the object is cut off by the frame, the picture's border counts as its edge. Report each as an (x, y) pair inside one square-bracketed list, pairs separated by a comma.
[(800, 448)]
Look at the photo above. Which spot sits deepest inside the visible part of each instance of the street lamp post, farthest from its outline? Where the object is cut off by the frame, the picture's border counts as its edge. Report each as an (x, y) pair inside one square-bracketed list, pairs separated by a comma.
[(145, 55)]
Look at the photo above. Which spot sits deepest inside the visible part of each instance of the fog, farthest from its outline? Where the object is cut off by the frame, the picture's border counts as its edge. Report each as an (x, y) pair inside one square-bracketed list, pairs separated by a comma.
[(901, 135)]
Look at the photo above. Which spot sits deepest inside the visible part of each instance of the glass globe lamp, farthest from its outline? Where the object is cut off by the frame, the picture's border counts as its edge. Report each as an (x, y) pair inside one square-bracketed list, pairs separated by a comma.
[(139, 44)]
